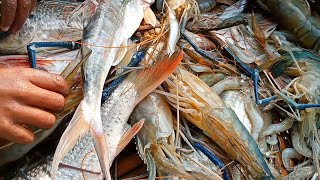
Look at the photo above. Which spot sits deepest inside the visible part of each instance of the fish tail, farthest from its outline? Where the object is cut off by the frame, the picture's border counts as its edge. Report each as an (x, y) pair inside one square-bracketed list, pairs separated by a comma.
[(78, 127), (156, 74), (101, 146)]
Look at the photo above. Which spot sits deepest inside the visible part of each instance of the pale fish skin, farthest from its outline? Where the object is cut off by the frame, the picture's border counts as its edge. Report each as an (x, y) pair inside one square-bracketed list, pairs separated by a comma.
[(113, 23), (113, 127), (47, 23), (115, 114), (40, 172)]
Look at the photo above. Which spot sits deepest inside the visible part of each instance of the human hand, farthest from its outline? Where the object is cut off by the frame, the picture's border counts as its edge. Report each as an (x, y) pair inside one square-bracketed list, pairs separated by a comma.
[(14, 13), (28, 97)]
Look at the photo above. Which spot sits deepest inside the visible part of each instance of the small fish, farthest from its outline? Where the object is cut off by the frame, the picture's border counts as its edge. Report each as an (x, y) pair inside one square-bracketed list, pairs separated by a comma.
[(47, 23)]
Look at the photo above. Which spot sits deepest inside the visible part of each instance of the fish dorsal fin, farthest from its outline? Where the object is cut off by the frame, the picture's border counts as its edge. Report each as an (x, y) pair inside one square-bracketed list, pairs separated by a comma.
[(71, 70), (128, 135), (150, 78), (83, 12), (120, 53)]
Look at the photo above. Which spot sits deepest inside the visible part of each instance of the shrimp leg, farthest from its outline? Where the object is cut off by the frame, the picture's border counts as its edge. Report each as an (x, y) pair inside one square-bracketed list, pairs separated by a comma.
[(278, 94), (211, 58)]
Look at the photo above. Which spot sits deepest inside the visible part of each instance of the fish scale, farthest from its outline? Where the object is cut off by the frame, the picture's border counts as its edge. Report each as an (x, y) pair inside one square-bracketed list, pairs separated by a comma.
[(81, 149), (104, 29), (47, 23), (113, 128)]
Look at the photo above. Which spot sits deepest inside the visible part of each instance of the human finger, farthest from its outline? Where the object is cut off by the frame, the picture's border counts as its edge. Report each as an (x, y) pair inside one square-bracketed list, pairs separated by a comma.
[(35, 117), (23, 9), (15, 132), (8, 13), (42, 98), (49, 81)]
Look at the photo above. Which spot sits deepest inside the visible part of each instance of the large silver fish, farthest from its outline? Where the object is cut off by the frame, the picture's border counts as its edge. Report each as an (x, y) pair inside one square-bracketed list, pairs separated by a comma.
[(46, 24), (115, 114), (113, 23)]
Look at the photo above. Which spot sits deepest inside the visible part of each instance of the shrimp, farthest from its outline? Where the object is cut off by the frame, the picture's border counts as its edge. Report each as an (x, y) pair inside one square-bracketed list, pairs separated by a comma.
[(204, 5), (205, 109), (155, 143), (305, 87), (301, 173), (299, 143), (290, 153), (240, 103), (277, 128), (295, 16)]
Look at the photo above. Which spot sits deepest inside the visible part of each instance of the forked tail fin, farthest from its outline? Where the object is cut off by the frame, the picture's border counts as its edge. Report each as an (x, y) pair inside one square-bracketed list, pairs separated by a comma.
[(101, 146), (77, 128)]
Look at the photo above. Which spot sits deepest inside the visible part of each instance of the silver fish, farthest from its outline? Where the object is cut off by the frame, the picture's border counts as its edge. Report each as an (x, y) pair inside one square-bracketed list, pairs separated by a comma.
[(39, 172), (46, 24), (115, 114), (112, 24)]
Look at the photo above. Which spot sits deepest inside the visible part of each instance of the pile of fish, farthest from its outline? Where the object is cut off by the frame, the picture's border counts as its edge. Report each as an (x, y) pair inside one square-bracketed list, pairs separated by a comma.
[(206, 89)]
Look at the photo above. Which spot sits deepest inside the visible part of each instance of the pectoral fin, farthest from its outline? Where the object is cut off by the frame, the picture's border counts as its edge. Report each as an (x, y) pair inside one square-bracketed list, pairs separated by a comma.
[(126, 138)]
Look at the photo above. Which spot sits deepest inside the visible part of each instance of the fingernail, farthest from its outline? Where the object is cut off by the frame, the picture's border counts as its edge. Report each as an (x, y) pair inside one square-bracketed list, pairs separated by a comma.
[(5, 29)]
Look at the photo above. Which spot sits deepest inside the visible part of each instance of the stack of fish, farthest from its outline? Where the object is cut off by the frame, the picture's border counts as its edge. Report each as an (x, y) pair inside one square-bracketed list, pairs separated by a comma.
[(209, 89)]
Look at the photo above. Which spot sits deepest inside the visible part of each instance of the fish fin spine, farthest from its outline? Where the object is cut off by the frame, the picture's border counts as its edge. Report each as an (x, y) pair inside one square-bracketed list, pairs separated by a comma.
[(150, 78), (126, 138)]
